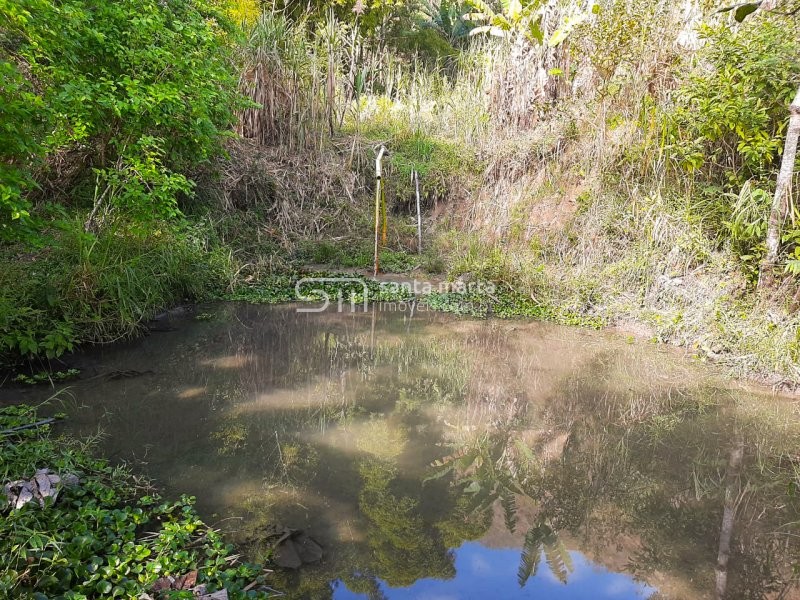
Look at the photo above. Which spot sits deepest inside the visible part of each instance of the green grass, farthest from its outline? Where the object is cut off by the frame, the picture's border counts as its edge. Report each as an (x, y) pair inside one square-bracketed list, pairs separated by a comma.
[(82, 288), (352, 255), (441, 163)]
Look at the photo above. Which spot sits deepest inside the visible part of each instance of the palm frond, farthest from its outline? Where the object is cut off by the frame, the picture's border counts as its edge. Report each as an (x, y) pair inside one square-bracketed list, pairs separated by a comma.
[(509, 503), (531, 553), (558, 558)]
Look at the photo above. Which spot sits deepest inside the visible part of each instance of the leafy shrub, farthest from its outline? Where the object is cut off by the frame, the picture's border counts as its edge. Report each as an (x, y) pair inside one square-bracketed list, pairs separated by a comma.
[(730, 113), (613, 40), (748, 226), (143, 88), (21, 118)]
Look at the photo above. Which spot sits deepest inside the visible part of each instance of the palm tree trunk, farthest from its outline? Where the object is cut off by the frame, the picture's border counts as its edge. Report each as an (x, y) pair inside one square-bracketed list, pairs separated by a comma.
[(777, 214), (728, 519)]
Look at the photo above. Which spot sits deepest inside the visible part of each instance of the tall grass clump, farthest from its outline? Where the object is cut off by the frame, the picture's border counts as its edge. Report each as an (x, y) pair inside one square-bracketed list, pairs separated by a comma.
[(292, 70), (89, 288)]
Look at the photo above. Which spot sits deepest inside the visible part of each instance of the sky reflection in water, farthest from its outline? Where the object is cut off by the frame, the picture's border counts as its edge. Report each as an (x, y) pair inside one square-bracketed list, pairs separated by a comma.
[(484, 573)]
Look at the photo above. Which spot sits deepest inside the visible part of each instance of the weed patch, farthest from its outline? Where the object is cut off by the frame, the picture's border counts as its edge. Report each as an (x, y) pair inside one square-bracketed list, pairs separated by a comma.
[(108, 534)]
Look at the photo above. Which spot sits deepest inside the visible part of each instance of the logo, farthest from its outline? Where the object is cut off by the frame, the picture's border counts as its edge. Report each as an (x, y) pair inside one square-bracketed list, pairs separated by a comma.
[(320, 293)]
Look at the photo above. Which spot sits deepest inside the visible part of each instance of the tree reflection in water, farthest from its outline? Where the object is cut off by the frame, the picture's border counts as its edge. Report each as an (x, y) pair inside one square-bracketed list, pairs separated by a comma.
[(405, 446)]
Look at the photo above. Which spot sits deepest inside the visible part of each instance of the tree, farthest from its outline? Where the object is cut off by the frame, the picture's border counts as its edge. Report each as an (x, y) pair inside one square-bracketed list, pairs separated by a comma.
[(780, 206), (779, 210), (138, 91)]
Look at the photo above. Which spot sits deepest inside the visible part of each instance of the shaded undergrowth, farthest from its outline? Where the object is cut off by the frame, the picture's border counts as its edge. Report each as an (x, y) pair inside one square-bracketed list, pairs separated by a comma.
[(108, 534)]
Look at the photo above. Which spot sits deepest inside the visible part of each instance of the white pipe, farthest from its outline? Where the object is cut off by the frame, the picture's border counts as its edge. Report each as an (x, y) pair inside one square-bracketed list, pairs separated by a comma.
[(379, 161)]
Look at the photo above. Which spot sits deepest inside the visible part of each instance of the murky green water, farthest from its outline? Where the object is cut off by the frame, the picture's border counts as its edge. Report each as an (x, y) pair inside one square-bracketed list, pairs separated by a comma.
[(442, 458)]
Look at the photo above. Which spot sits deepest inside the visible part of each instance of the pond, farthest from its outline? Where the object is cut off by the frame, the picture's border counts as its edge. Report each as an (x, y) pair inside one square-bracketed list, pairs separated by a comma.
[(437, 457)]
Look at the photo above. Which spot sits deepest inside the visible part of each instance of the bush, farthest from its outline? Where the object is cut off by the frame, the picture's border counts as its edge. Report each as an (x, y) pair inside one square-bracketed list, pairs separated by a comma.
[(731, 112), (143, 90), (21, 119)]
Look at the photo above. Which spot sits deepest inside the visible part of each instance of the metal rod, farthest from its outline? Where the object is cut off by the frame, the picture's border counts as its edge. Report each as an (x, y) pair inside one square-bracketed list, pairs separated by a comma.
[(378, 185), (419, 215)]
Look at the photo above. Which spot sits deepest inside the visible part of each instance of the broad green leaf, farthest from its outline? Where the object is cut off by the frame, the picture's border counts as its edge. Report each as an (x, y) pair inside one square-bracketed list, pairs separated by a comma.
[(473, 488), (535, 30)]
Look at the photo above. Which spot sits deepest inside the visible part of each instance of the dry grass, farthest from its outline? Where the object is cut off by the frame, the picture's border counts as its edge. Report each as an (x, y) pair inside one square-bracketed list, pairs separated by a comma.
[(304, 194), (294, 79), (562, 195)]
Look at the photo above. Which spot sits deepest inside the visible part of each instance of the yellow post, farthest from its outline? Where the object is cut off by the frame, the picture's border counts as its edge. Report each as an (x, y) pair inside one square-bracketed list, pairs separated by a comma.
[(383, 214), (378, 197)]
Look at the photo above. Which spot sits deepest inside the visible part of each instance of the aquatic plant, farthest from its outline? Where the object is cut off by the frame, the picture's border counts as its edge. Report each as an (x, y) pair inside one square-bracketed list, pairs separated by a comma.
[(108, 534)]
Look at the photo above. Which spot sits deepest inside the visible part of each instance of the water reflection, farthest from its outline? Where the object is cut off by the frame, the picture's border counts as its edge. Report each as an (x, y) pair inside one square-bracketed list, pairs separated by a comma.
[(490, 573), (442, 458)]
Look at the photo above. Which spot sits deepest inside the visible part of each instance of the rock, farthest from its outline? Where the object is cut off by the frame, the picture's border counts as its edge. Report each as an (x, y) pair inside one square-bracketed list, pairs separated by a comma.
[(24, 496), (44, 484), (164, 585), (287, 556), (220, 595), (43, 481), (308, 549), (294, 548), (71, 480)]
